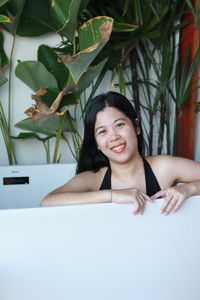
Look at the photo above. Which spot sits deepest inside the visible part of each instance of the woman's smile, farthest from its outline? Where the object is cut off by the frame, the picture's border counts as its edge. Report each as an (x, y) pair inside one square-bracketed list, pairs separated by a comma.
[(119, 148)]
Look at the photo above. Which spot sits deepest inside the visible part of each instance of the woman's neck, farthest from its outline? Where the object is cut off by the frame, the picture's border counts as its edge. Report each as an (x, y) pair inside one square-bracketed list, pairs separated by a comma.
[(124, 169)]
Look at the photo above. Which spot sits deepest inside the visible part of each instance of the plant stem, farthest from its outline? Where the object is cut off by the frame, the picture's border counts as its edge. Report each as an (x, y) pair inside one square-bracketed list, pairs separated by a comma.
[(135, 86), (47, 151), (10, 82), (7, 139), (59, 133)]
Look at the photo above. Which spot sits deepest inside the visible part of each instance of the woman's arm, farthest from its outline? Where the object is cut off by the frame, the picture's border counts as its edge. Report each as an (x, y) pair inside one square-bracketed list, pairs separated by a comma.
[(65, 198), (84, 189), (81, 189), (184, 171)]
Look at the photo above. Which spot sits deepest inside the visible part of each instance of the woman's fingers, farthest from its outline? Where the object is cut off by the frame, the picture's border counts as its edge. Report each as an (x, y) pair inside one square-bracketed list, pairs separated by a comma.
[(140, 203), (173, 200), (159, 194), (147, 198)]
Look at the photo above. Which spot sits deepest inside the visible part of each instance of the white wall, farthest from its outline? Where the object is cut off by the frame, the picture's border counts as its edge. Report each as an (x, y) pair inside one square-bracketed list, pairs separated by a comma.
[(32, 152)]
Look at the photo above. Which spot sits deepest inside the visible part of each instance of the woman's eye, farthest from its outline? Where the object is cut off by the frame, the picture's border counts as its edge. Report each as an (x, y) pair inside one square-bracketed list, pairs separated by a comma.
[(101, 132), (120, 124)]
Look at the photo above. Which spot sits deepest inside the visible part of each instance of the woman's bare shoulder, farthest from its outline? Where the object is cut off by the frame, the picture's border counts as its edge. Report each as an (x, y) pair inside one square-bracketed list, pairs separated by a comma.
[(85, 181), (159, 160), (177, 168)]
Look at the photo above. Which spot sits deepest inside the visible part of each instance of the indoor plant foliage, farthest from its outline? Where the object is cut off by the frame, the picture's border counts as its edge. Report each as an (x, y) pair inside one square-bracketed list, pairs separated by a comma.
[(55, 93), (58, 85), (138, 43), (151, 53)]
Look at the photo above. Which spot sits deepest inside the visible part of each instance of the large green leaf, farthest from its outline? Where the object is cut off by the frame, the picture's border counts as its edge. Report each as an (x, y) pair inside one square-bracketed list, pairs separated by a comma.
[(35, 75), (31, 135), (51, 94), (48, 127), (87, 78), (49, 58), (93, 36), (65, 13), (35, 19)]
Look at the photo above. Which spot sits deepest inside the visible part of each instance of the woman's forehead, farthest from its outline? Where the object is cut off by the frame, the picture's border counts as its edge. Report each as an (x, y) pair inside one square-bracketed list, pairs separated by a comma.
[(108, 114)]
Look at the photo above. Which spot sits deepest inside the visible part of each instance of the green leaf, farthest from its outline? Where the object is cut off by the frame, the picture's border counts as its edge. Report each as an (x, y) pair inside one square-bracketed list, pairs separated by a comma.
[(3, 61), (93, 36), (30, 135), (13, 10), (3, 57), (5, 19), (152, 34), (184, 76), (35, 75), (87, 78), (65, 13), (28, 124), (122, 27), (49, 58), (48, 127), (2, 2), (36, 19), (51, 94)]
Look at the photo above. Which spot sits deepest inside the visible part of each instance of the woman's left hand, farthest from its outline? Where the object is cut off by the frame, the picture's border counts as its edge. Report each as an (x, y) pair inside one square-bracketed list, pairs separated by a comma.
[(174, 198)]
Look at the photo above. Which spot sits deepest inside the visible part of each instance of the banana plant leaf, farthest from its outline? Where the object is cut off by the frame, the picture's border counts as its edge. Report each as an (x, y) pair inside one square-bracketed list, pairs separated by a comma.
[(51, 94), (35, 19), (31, 135), (35, 75), (65, 13), (48, 127), (93, 35), (3, 61), (49, 58), (87, 77)]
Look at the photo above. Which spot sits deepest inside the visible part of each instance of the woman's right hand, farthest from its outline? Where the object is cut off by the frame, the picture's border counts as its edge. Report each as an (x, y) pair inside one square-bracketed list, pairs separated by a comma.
[(134, 196)]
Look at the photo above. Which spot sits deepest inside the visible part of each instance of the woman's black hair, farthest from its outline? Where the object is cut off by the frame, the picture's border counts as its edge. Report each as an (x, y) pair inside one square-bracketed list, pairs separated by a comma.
[(90, 158)]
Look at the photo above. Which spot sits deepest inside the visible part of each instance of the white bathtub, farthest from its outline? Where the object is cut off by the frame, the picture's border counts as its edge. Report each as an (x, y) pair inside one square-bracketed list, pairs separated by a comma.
[(100, 252)]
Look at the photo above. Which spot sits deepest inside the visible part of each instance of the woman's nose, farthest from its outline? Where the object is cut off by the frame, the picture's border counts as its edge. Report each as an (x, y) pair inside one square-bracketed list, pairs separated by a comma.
[(114, 134)]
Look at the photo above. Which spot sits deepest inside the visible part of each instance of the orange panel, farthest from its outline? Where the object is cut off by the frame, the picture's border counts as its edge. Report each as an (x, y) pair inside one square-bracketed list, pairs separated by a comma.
[(187, 117)]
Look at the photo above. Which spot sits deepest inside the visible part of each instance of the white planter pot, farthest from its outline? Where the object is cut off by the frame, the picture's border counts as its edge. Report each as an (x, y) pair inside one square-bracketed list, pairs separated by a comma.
[(26, 186)]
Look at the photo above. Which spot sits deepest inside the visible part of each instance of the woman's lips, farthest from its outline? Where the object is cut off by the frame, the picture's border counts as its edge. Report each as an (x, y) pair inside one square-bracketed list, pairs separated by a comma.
[(119, 148)]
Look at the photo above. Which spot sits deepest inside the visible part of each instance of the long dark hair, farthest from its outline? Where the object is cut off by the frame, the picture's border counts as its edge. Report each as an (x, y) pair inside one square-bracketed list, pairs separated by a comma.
[(90, 158)]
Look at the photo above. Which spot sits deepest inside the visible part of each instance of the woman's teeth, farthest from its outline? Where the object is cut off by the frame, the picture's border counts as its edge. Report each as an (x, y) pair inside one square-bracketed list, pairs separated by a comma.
[(118, 148)]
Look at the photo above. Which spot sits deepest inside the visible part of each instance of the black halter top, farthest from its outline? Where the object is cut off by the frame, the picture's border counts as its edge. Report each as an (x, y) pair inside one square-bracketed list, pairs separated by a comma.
[(152, 185)]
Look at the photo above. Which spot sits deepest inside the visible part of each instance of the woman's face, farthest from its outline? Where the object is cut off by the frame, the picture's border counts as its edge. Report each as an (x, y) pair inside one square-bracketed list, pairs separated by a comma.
[(115, 135)]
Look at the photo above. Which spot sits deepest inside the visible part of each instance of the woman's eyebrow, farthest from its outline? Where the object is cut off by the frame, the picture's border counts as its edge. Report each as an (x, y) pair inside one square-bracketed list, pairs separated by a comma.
[(120, 119), (115, 121)]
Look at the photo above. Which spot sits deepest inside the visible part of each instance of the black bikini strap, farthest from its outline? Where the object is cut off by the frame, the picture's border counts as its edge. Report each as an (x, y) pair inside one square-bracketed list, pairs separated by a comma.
[(152, 185), (106, 184)]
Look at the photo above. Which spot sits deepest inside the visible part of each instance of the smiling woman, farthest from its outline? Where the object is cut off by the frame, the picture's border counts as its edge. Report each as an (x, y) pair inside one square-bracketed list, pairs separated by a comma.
[(112, 168)]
